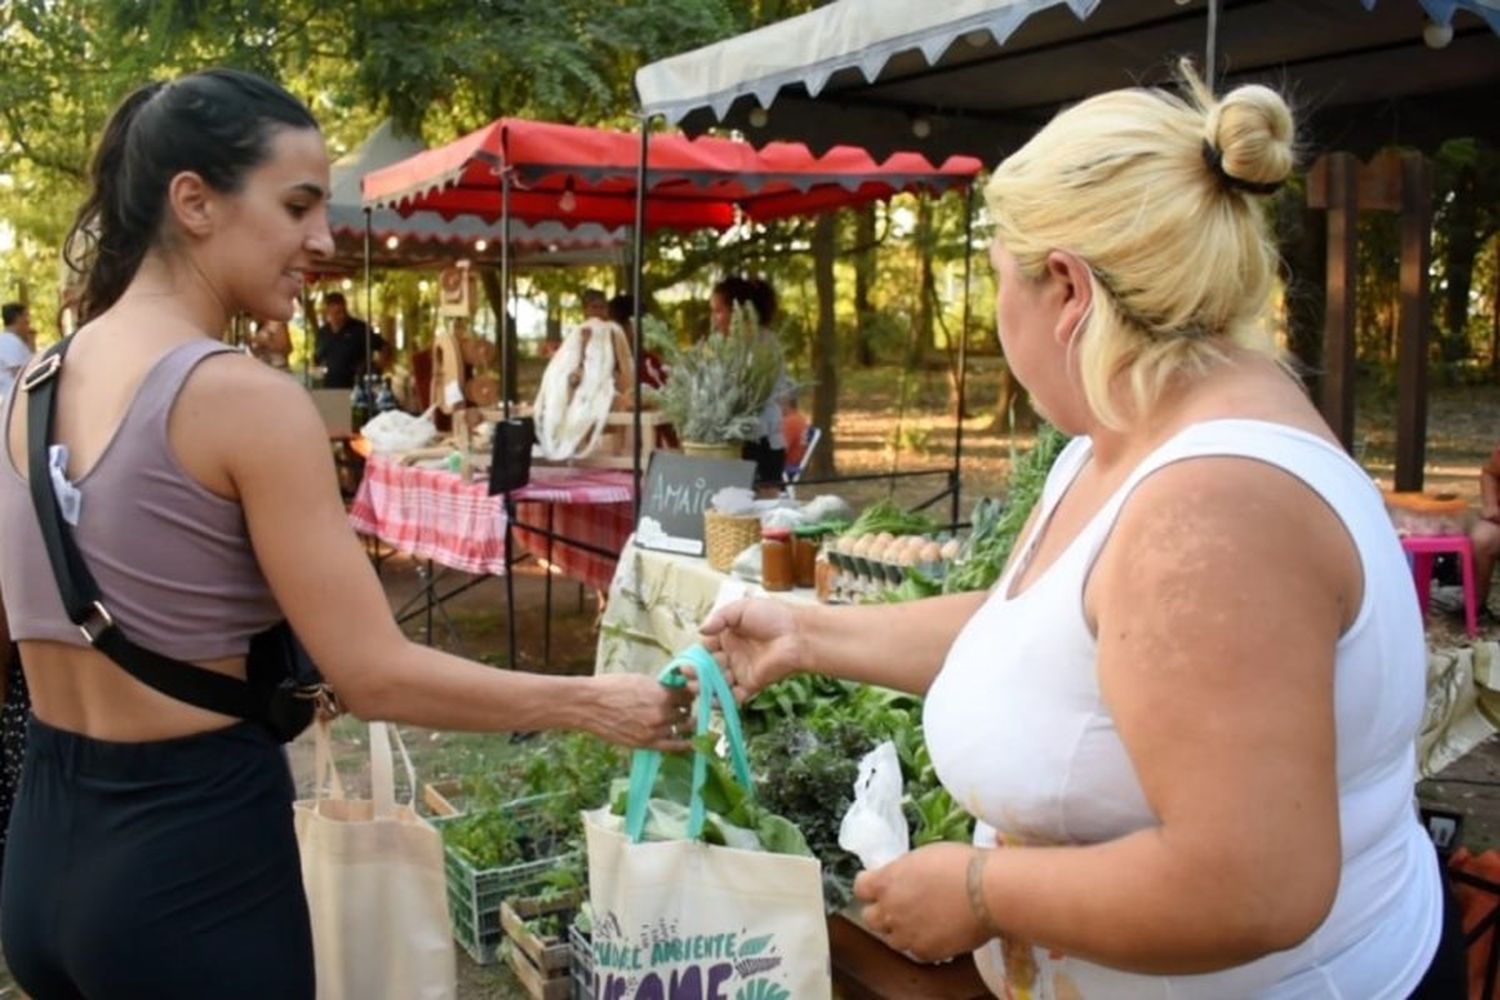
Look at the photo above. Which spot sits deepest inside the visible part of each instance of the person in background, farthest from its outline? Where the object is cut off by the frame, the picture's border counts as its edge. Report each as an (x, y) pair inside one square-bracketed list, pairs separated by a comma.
[(152, 850), (769, 451), (17, 342), (1185, 718), (271, 343), (341, 344), (653, 371), (1485, 532)]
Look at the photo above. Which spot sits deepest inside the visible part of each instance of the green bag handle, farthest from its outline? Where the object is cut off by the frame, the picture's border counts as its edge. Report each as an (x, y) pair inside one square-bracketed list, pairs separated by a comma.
[(645, 765)]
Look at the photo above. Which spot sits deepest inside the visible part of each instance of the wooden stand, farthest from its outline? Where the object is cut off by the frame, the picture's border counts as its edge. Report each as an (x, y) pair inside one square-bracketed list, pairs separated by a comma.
[(865, 969), (540, 965)]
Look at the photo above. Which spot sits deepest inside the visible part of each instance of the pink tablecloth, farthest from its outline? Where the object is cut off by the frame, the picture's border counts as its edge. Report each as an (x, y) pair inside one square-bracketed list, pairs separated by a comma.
[(433, 514)]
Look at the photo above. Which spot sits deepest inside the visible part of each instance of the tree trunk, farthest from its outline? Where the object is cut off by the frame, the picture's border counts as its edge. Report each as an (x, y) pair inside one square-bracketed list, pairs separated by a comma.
[(1302, 237), (1462, 224), (1495, 316), (1014, 411), (825, 347), (554, 320), (921, 341), (864, 278), (490, 278)]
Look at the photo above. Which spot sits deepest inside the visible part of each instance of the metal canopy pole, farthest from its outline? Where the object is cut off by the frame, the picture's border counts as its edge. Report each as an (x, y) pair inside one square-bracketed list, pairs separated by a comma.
[(1211, 45), (506, 374), (369, 293), (637, 264), (963, 350)]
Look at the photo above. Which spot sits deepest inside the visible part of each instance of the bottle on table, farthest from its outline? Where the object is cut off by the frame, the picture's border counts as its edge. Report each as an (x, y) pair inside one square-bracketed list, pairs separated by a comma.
[(361, 404), (386, 400)]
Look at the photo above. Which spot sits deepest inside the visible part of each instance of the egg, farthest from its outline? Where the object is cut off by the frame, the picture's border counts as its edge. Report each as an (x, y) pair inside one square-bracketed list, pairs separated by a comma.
[(950, 549), (931, 553)]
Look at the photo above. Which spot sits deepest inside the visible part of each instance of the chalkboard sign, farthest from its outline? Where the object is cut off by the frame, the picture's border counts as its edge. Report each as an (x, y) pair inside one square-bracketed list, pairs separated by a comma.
[(679, 488)]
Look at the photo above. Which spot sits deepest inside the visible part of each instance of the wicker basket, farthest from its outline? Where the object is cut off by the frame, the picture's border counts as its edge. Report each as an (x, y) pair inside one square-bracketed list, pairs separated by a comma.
[(727, 535)]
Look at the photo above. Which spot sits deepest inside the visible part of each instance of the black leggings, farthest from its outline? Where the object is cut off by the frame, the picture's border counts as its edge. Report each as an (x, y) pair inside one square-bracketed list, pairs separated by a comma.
[(155, 870), (1447, 978)]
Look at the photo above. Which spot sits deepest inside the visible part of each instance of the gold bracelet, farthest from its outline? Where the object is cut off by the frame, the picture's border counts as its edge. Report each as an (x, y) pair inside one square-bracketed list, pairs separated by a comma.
[(976, 893)]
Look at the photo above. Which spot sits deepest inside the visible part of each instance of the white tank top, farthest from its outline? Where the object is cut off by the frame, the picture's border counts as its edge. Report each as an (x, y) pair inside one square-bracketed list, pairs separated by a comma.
[(1022, 738)]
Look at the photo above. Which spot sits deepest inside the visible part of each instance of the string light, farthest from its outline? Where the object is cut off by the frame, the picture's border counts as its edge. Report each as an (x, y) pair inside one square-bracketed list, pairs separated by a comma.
[(480, 246), (392, 242), (759, 117)]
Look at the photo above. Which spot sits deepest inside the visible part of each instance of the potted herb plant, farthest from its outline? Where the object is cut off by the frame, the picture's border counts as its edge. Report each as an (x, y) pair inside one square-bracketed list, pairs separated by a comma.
[(717, 388)]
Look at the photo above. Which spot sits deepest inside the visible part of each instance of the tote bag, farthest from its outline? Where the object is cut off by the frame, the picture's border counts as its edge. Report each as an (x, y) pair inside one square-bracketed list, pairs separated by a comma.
[(373, 871), (687, 920)]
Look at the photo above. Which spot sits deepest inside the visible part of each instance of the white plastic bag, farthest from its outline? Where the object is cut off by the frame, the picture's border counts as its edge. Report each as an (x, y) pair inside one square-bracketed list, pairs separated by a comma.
[(874, 829), (395, 430)]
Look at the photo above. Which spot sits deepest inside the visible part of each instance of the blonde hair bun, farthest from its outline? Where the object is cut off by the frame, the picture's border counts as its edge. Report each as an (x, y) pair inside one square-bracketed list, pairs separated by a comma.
[(1251, 130)]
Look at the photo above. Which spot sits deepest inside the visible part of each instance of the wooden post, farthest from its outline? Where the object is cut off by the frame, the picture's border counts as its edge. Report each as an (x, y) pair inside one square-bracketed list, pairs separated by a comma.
[(1337, 401), (1411, 344)]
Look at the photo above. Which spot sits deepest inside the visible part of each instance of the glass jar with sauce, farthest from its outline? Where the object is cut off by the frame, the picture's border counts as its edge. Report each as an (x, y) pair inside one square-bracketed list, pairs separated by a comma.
[(805, 545), (776, 571)]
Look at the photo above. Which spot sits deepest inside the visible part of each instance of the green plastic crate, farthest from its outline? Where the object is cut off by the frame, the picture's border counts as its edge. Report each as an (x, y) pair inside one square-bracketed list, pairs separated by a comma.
[(475, 894)]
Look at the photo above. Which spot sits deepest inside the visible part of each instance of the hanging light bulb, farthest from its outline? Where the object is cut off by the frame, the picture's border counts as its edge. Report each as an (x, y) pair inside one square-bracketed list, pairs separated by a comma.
[(480, 246), (1436, 36), (759, 117), (569, 201), (392, 242)]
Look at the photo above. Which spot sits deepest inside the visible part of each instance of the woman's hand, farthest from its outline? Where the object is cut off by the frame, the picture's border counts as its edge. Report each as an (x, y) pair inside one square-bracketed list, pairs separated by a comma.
[(638, 711), (757, 643), (919, 903)]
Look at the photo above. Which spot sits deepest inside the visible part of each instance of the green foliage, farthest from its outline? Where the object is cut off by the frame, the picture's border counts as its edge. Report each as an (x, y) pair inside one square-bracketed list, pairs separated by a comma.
[(725, 801), (718, 387), (888, 516), (810, 735), (561, 776), (995, 529)]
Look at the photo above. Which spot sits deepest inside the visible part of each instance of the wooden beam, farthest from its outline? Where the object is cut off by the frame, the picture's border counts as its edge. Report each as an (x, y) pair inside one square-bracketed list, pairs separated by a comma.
[(1337, 401), (1412, 324)]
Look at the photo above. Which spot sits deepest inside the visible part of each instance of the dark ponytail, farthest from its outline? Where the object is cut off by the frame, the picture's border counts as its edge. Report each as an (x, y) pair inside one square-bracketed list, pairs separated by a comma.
[(218, 124)]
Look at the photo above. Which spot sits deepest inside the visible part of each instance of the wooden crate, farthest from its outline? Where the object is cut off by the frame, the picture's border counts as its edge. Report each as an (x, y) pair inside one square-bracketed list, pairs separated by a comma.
[(439, 797), (541, 966)]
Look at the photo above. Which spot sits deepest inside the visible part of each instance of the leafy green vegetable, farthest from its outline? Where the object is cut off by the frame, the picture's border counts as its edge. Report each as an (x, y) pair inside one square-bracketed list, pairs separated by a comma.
[(886, 515), (727, 804)]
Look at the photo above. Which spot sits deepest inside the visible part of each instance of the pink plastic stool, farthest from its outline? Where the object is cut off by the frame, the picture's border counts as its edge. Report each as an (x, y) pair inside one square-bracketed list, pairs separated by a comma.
[(1422, 548)]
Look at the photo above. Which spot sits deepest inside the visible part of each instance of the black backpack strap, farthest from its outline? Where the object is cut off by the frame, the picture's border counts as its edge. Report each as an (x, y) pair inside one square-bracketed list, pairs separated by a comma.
[(80, 594)]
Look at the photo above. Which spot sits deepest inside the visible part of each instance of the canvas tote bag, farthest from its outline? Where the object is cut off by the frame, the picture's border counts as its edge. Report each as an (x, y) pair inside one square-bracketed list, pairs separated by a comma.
[(373, 871), (689, 921)]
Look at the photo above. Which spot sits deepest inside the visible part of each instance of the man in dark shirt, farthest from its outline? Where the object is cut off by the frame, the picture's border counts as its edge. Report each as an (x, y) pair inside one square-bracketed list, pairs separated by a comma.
[(341, 344)]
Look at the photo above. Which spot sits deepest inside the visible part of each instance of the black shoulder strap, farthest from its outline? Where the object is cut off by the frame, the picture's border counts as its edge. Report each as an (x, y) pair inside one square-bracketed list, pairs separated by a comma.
[(80, 594)]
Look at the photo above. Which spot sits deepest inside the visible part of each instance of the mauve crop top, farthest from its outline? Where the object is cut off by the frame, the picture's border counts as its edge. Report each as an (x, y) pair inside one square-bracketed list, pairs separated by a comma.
[(172, 559)]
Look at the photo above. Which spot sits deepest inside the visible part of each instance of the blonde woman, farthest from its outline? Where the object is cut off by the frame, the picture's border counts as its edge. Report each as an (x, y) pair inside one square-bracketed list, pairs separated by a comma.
[(1185, 716)]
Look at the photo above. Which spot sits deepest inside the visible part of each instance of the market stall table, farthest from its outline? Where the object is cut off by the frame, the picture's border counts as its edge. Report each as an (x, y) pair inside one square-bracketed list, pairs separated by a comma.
[(574, 520)]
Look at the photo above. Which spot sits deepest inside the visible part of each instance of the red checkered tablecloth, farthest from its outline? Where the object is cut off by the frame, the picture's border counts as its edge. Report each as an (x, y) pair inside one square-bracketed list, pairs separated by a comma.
[(433, 514)]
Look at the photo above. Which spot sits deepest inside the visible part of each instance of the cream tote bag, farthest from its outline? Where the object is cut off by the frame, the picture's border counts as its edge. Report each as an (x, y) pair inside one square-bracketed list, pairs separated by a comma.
[(373, 871), (687, 919)]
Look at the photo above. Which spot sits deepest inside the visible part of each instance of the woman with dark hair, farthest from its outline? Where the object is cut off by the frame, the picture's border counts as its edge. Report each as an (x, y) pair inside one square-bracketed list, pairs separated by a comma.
[(151, 847), (769, 452)]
